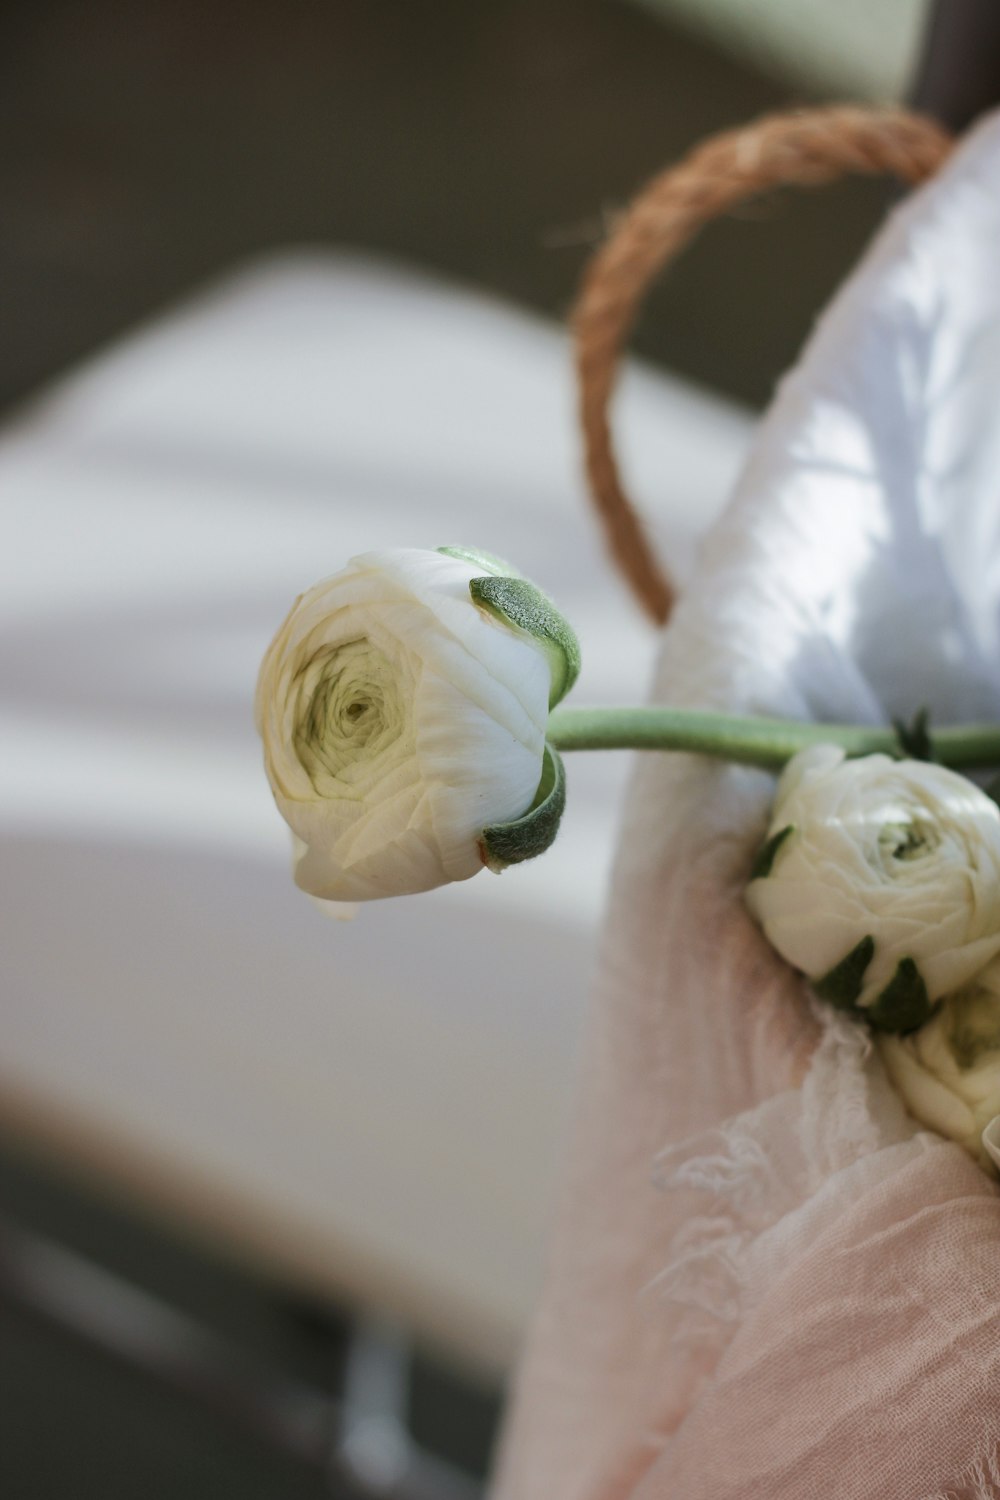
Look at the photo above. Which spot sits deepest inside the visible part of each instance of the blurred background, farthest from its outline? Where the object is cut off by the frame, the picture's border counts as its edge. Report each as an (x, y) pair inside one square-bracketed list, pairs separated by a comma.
[(277, 285)]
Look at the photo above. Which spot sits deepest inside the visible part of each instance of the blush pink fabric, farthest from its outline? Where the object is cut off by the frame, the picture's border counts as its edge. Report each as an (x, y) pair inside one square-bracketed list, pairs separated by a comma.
[(764, 1279)]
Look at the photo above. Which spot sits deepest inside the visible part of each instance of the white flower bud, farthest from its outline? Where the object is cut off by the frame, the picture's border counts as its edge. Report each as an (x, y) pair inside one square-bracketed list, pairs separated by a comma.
[(948, 1072), (400, 719), (888, 869)]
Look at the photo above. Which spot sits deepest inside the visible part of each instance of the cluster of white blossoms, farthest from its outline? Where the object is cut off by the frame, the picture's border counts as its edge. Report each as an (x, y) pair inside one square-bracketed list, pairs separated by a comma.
[(403, 706), (880, 881)]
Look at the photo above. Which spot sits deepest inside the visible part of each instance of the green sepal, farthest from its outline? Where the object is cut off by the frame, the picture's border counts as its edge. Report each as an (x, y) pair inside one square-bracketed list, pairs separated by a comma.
[(484, 560), (521, 604), (845, 981), (764, 862), (914, 738), (904, 1004), (504, 844)]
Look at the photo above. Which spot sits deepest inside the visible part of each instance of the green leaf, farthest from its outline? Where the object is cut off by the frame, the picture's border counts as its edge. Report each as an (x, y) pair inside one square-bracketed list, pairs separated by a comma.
[(504, 844), (762, 865), (843, 984), (914, 738), (517, 602), (904, 1003), (484, 560)]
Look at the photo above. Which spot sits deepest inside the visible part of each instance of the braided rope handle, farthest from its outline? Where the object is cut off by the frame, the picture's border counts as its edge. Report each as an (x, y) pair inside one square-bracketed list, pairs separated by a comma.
[(806, 149)]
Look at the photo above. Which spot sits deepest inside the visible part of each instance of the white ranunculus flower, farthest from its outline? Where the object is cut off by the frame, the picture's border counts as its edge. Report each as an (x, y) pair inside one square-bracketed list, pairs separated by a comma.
[(880, 880), (401, 719), (948, 1072)]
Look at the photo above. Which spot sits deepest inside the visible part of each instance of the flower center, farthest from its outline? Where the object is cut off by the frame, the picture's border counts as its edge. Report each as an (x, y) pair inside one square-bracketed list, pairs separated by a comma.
[(902, 841), (347, 709), (906, 840), (974, 1028)]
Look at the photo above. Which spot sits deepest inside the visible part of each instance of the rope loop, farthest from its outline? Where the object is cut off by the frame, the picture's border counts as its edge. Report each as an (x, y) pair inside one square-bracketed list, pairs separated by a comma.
[(806, 148)]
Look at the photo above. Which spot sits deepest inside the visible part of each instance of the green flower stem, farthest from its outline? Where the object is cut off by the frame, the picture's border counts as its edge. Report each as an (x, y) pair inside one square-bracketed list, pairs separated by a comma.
[(768, 743)]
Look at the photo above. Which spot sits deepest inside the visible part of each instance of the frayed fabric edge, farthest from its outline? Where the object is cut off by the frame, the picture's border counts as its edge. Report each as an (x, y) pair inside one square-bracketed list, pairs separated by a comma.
[(761, 1166), (980, 1481)]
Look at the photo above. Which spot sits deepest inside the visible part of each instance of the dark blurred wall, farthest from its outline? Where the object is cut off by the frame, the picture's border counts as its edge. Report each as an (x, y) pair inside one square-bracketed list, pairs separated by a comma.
[(144, 148)]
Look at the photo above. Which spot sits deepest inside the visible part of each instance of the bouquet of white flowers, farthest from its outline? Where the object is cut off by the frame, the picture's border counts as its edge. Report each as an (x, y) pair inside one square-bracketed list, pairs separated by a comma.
[(799, 974)]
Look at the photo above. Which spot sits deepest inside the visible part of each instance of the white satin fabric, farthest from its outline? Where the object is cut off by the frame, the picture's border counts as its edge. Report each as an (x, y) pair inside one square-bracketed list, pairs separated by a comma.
[(765, 1282)]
